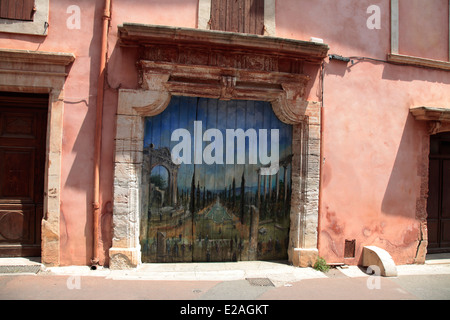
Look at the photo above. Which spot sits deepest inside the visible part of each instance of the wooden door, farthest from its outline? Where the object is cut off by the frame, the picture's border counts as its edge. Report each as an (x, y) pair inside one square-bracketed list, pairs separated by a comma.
[(439, 194), (205, 197), (23, 124)]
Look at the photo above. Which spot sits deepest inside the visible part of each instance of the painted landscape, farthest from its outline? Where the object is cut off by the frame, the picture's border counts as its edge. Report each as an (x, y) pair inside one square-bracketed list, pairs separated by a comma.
[(220, 211)]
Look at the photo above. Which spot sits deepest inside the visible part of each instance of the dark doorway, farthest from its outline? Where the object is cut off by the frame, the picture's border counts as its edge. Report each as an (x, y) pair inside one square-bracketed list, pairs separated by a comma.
[(439, 194), (23, 127)]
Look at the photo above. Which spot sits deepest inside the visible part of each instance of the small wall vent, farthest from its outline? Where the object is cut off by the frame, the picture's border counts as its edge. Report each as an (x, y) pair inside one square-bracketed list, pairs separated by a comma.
[(349, 250)]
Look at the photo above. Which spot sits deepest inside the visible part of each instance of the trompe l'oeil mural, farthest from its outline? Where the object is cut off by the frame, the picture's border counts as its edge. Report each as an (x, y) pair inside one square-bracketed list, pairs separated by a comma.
[(216, 182)]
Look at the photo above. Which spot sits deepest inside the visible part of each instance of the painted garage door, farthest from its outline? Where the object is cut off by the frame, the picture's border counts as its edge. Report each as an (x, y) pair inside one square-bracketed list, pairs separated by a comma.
[(216, 182)]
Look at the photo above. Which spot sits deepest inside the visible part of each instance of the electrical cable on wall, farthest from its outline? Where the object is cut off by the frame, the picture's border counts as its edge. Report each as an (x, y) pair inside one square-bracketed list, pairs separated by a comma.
[(352, 59)]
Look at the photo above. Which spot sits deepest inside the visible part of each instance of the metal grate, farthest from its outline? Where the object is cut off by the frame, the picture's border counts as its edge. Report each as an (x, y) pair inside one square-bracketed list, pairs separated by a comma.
[(260, 282)]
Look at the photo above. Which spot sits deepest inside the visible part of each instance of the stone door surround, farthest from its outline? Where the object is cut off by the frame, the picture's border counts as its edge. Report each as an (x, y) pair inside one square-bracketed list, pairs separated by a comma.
[(220, 65), (43, 72)]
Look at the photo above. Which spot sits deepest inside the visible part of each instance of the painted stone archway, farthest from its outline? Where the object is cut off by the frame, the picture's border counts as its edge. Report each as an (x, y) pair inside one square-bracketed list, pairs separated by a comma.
[(161, 157), (226, 66)]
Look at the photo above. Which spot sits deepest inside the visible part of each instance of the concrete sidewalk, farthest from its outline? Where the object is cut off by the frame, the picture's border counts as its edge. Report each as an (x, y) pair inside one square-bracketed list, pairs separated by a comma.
[(256, 280), (279, 272)]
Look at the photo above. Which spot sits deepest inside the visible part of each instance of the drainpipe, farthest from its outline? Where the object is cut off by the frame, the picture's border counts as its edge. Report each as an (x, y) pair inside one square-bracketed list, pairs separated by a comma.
[(322, 123), (106, 17)]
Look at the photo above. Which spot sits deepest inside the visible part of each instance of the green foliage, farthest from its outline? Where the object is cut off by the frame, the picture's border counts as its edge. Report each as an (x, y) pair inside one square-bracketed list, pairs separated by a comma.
[(321, 265), (158, 181)]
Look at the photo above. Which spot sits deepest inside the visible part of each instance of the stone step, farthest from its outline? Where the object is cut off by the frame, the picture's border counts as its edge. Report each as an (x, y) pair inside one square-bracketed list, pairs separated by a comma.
[(20, 265), (437, 258)]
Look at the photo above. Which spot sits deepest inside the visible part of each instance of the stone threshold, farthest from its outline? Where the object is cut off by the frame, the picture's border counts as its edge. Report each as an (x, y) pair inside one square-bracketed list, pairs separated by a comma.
[(20, 265)]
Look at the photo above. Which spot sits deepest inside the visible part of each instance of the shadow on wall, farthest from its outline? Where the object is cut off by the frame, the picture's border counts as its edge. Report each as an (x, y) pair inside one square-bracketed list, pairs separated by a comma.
[(409, 73), (391, 71), (121, 73), (407, 139), (406, 193), (401, 193), (80, 176), (410, 164)]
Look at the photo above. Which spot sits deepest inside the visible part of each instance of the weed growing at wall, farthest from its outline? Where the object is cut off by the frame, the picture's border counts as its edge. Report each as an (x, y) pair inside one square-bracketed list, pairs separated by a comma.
[(321, 265)]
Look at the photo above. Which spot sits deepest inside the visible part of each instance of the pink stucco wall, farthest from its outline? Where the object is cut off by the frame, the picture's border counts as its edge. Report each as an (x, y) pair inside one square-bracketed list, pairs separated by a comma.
[(423, 28), (79, 118), (80, 104), (372, 147)]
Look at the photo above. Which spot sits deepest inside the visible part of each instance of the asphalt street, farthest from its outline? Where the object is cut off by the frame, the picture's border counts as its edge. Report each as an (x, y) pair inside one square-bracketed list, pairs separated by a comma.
[(259, 298), (231, 282)]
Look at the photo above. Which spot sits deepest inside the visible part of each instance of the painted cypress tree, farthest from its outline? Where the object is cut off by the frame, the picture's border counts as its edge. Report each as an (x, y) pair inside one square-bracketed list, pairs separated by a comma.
[(225, 196), (204, 197), (242, 198), (192, 200), (234, 193), (197, 202)]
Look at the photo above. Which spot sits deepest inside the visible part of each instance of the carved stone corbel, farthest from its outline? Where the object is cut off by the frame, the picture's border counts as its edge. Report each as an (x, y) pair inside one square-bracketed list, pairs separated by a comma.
[(291, 107), (149, 101), (227, 89), (434, 127)]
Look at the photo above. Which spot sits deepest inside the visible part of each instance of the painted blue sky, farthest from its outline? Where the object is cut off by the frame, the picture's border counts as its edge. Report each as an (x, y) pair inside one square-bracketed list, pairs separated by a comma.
[(221, 115)]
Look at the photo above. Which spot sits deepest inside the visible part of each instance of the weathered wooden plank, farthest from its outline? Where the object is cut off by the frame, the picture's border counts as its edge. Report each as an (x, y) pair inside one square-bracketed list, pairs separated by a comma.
[(4, 8), (11, 10), (28, 10), (245, 16), (17, 9)]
